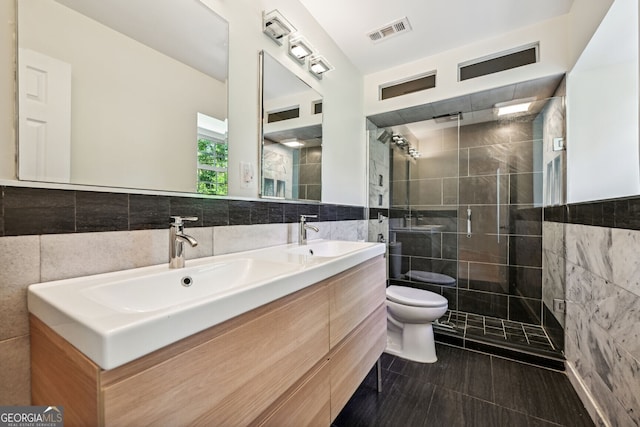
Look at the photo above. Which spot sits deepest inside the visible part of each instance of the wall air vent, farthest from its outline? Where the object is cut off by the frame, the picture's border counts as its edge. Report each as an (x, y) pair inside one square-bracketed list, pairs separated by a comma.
[(393, 29), (410, 85), (497, 62)]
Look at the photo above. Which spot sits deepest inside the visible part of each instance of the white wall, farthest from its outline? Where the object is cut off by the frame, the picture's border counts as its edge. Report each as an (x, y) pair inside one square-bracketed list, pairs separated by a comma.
[(551, 34), (344, 176), (7, 88), (602, 111)]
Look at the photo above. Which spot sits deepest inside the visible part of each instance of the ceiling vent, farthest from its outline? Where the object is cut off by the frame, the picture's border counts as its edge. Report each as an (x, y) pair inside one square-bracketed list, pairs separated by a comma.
[(393, 29)]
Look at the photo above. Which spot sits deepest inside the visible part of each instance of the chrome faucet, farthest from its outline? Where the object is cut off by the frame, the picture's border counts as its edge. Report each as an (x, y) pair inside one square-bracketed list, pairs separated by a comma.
[(302, 230), (177, 239)]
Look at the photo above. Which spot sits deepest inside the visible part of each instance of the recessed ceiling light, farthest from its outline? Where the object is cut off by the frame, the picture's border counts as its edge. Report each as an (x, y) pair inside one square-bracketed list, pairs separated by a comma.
[(513, 107), (293, 143)]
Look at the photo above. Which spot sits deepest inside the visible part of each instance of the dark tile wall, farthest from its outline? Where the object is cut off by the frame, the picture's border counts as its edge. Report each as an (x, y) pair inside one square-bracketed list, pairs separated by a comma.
[(614, 213), (309, 173), (499, 266), (29, 211)]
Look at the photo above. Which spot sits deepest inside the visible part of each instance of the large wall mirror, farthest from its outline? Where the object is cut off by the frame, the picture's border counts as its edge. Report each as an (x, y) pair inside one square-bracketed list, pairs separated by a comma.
[(291, 135), (123, 93)]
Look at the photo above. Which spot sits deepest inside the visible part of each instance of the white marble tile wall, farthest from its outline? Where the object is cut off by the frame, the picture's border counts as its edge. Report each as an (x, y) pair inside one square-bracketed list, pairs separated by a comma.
[(602, 330), (553, 266), (34, 259), (378, 167)]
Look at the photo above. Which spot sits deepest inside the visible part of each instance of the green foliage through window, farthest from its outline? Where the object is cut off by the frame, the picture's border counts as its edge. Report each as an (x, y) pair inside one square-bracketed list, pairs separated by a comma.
[(213, 161)]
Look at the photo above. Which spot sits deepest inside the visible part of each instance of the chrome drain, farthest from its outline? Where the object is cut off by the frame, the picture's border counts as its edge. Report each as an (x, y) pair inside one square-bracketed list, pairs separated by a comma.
[(186, 281)]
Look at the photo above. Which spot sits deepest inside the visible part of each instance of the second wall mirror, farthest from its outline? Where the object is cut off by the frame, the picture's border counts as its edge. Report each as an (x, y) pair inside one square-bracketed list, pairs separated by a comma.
[(291, 140)]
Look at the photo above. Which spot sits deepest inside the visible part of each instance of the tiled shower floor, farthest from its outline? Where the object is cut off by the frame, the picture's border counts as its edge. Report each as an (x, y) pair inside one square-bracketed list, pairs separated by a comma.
[(519, 339)]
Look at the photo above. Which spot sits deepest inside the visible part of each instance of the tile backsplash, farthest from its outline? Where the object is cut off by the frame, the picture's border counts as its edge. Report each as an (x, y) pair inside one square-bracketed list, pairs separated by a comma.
[(50, 234)]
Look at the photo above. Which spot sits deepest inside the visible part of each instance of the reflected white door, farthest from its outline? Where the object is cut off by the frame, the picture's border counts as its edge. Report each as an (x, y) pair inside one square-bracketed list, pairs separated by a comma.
[(44, 111)]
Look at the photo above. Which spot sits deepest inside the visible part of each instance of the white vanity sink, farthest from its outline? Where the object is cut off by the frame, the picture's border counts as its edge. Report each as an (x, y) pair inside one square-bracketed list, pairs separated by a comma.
[(164, 289), (326, 248), (114, 318)]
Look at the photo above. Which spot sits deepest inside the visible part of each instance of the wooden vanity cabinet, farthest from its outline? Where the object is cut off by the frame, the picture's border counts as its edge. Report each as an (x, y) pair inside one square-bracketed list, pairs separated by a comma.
[(295, 361)]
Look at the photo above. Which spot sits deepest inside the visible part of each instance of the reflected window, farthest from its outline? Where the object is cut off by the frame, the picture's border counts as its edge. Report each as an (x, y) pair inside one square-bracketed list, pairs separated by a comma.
[(213, 156)]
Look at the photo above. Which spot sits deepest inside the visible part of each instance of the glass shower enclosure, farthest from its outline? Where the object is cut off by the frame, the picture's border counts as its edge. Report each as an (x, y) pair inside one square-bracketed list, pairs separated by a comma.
[(465, 219)]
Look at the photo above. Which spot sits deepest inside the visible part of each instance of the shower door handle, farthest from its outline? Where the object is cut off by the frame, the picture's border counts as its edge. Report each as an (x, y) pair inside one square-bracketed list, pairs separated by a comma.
[(498, 204), (468, 222)]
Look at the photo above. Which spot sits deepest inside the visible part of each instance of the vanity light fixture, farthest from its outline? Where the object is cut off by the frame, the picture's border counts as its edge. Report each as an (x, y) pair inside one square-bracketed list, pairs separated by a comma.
[(276, 26), (299, 49), (318, 66), (513, 107), (293, 143)]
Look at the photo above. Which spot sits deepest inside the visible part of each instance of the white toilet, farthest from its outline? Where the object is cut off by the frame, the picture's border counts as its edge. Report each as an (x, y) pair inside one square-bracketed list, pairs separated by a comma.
[(410, 313)]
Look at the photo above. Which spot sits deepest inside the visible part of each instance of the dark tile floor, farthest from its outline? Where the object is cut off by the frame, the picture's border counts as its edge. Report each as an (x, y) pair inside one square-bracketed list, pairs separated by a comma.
[(464, 388)]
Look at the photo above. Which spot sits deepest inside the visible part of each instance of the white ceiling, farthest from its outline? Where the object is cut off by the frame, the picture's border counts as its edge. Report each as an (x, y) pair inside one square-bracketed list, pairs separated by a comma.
[(187, 31), (437, 25)]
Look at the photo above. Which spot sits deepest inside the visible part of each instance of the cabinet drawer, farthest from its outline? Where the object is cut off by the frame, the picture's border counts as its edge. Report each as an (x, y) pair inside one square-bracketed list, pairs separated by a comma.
[(307, 405), (232, 378), (353, 296), (351, 361)]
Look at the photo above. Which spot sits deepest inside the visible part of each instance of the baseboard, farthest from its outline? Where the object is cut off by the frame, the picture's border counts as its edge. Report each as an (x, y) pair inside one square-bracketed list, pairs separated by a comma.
[(585, 396)]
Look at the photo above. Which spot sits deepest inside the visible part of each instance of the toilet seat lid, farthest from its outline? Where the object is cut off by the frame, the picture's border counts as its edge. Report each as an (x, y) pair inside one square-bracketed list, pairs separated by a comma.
[(415, 297)]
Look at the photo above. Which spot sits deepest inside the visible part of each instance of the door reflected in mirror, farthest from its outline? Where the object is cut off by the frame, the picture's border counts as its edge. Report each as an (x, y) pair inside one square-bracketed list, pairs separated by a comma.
[(291, 135), (135, 107)]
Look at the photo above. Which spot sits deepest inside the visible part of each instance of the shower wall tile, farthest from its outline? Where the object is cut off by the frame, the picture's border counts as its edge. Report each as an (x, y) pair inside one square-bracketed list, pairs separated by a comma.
[(450, 191), (484, 303), (437, 165), (525, 282), (441, 266), (489, 277), (484, 218), (420, 244), (425, 192), (525, 220), (483, 134), (399, 193), (520, 131), (310, 174), (522, 156), (482, 248), (449, 245), (486, 160), (525, 310), (463, 163), (482, 190), (525, 251), (525, 188)]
